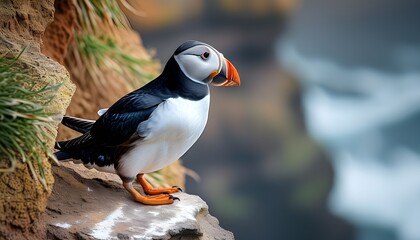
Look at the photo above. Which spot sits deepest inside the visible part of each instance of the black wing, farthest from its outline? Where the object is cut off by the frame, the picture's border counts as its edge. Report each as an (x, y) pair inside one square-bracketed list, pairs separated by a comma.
[(113, 129), (119, 123)]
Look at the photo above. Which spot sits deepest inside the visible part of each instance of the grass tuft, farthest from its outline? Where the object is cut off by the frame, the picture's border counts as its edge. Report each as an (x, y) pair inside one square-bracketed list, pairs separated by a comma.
[(25, 128), (105, 52), (99, 23)]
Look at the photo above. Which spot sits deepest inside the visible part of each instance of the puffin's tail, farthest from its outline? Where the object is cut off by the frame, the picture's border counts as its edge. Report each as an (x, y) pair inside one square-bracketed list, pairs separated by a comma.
[(60, 155), (78, 124), (72, 149)]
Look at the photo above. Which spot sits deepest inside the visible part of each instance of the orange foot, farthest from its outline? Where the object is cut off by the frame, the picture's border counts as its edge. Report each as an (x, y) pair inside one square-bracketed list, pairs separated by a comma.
[(149, 200), (149, 190)]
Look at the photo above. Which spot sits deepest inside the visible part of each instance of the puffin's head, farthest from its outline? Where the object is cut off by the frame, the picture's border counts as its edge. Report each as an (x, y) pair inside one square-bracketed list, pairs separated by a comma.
[(204, 64)]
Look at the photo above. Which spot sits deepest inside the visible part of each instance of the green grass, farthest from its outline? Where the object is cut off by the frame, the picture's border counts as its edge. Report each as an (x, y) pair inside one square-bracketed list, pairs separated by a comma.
[(25, 128), (96, 43), (103, 51), (95, 15)]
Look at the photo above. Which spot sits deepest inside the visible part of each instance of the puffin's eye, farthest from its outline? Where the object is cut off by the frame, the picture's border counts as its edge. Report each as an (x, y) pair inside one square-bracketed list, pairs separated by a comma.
[(205, 55)]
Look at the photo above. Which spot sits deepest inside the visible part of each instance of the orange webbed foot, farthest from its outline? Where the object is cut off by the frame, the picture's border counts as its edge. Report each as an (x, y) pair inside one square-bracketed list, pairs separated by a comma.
[(149, 190), (161, 199)]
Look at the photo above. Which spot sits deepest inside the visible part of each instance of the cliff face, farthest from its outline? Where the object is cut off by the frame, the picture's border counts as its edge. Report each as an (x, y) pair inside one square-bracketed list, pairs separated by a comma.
[(22, 200)]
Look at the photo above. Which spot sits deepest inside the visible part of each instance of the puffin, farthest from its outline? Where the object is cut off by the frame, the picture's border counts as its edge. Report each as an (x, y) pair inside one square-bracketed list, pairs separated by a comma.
[(152, 126)]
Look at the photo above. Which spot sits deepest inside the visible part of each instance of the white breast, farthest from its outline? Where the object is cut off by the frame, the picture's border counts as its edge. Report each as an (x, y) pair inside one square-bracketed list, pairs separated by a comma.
[(171, 130)]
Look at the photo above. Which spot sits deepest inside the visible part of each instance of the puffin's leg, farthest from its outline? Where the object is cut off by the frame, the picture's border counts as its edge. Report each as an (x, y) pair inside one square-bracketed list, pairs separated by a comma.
[(149, 190), (149, 200)]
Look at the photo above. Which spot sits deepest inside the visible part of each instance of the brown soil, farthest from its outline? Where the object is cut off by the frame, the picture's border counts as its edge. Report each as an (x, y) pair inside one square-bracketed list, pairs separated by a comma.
[(59, 34), (25, 20)]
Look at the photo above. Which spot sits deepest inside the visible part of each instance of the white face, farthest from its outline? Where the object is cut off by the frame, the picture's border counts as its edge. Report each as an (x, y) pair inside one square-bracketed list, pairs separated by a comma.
[(200, 63)]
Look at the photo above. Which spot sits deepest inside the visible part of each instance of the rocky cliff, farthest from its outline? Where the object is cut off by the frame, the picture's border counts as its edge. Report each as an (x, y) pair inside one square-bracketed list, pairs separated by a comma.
[(83, 204)]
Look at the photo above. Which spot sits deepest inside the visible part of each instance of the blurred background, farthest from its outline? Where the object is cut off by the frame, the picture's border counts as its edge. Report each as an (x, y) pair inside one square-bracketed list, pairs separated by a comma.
[(321, 140)]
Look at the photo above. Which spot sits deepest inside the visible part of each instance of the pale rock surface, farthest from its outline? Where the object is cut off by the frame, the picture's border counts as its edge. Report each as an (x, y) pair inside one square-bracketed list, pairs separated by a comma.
[(91, 205)]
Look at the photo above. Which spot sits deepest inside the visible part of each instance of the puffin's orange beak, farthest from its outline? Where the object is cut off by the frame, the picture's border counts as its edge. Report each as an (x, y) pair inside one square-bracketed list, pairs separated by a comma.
[(228, 76)]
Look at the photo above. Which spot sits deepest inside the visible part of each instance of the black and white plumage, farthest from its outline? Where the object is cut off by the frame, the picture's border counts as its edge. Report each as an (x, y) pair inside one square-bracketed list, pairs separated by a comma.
[(155, 125)]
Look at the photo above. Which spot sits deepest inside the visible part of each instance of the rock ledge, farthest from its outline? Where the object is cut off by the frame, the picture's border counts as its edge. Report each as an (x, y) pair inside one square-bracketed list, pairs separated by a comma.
[(81, 208)]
